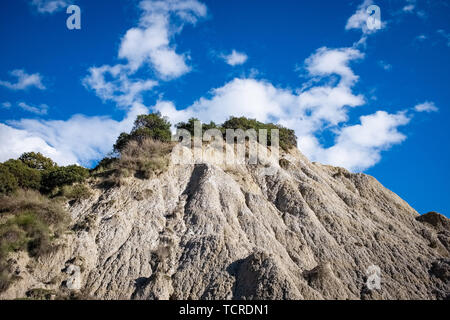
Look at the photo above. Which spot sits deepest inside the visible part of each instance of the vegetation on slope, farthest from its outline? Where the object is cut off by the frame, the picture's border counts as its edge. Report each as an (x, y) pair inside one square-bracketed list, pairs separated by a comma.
[(31, 211), (33, 187), (287, 138)]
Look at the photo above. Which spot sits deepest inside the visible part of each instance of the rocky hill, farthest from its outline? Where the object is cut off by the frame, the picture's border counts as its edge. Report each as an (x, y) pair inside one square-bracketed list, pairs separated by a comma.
[(208, 231)]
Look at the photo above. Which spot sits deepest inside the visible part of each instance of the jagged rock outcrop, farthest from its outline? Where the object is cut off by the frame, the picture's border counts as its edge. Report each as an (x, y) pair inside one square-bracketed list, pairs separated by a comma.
[(208, 231)]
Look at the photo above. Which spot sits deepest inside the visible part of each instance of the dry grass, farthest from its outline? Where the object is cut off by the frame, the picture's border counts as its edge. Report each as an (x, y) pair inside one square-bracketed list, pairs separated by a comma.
[(28, 221), (76, 192), (47, 210), (146, 158), (141, 159)]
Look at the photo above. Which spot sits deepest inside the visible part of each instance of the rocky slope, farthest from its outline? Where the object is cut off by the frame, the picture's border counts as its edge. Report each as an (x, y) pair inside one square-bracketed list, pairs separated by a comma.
[(208, 231)]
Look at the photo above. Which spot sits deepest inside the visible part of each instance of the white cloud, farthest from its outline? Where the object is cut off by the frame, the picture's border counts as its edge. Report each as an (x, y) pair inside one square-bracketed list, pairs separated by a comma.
[(359, 147), (410, 6), (24, 81), (41, 110), (421, 37), (121, 89), (326, 61), (80, 139), (235, 58), (243, 97), (150, 41), (15, 142), (386, 66), (309, 111), (426, 107), (148, 44), (6, 105), (50, 6)]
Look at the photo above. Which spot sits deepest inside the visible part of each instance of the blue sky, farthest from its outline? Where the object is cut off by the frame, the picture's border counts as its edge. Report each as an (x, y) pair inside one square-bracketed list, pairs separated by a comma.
[(374, 101)]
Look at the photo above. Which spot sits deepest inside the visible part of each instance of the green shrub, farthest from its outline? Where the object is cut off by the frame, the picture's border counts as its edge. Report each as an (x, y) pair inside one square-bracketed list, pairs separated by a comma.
[(152, 126), (29, 221), (189, 126), (146, 158), (121, 142), (61, 176), (76, 192), (37, 161), (147, 126), (287, 138), (8, 183), (27, 178), (47, 210)]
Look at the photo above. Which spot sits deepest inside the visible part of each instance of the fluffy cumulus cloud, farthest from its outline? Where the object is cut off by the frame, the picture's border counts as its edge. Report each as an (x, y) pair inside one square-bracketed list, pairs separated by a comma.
[(150, 42), (308, 111), (325, 62), (79, 139), (147, 45), (122, 90), (246, 97), (359, 146), (23, 81), (50, 6), (235, 58), (427, 106)]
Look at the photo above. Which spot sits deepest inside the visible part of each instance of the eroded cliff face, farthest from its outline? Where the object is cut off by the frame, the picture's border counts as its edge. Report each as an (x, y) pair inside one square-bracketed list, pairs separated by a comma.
[(207, 231)]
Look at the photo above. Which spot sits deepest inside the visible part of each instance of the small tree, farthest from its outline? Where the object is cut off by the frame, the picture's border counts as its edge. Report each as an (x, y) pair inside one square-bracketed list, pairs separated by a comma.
[(122, 141), (189, 126), (62, 176), (8, 183), (152, 126), (287, 137), (27, 177), (37, 161)]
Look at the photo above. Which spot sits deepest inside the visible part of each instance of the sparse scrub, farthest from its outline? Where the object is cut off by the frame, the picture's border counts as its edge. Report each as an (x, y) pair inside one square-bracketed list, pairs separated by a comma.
[(145, 158), (147, 126), (140, 158), (28, 222), (189, 126), (37, 161), (27, 178), (61, 176), (8, 183), (76, 192), (287, 138)]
